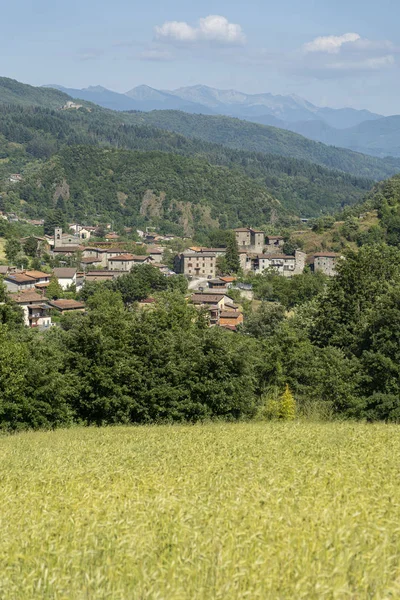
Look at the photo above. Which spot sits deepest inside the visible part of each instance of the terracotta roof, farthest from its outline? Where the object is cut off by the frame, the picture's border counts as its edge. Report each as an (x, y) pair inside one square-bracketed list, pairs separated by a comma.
[(43, 285), (228, 279), (230, 314), (67, 304), (274, 237), (67, 249), (20, 278), (206, 298), (37, 274), (131, 257), (64, 272), (326, 255), (27, 296), (90, 259)]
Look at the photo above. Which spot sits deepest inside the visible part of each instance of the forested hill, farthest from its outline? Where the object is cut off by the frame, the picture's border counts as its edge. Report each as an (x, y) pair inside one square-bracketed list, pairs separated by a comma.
[(176, 193), (30, 135), (14, 92), (243, 135)]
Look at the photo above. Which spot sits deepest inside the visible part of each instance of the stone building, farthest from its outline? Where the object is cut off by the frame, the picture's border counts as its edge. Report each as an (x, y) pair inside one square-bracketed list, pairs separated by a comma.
[(274, 244), (250, 240), (196, 264), (325, 262), (285, 265)]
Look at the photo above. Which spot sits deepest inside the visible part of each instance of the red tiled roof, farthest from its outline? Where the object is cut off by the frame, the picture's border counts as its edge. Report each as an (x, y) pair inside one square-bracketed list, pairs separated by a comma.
[(67, 304), (37, 274), (27, 296), (206, 298), (20, 278)]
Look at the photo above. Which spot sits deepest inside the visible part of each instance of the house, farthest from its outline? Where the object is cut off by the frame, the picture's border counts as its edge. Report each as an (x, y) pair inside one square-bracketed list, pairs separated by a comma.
[(103, 275), (217, 251), (220, 308), (250, 240), (125, 262), (219, 299), (283, 264), (274, 244), (35, 308), (197, 264), (155, 253), (81, 232), (230, 318), (217, 284), (325, 262), (39, 276), (6, 269), (65, 276), (111, 237), (17, 282), (15, 178), (90, 262), (66, 250), (66, 306)]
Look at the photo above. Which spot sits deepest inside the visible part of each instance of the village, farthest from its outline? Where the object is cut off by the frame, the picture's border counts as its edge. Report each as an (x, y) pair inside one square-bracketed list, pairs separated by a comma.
[(80, 260)]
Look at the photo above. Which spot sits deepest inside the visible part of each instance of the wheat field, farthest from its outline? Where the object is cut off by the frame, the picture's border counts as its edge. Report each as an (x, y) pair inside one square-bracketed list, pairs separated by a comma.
[(255, 510)]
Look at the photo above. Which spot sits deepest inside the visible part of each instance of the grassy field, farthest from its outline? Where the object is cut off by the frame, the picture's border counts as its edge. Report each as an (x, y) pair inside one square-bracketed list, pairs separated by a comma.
[(253, 511), (2, 244)]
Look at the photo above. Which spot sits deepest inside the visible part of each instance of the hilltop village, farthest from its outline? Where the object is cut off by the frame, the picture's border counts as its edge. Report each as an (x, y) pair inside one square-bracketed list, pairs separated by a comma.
[(62, 264)]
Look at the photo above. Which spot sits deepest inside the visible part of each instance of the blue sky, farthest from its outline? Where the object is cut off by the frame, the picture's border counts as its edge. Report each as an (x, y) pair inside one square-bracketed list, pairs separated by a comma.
[(342, 53)]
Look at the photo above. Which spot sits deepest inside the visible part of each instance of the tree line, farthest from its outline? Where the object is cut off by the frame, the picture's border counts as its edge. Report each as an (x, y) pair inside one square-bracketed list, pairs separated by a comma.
[(337, 348)]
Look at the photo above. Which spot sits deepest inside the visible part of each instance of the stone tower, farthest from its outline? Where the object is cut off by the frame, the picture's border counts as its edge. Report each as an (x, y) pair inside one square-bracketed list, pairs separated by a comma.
[(57, 237)]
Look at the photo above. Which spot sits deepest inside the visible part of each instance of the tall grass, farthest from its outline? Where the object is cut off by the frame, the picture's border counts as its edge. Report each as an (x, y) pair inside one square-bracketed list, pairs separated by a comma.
[(252, 510)]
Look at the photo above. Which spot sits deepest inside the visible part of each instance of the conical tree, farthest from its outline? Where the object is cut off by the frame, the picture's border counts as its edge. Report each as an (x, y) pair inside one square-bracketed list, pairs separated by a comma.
[(287, 405)]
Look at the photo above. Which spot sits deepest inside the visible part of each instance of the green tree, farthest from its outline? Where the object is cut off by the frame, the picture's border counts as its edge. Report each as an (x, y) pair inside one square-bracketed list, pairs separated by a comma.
[(12, 248), (232, 255), (30, 246), (54, 290)]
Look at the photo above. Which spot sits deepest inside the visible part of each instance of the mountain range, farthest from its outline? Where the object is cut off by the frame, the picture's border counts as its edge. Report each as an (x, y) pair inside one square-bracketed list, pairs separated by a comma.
[(358, 130)]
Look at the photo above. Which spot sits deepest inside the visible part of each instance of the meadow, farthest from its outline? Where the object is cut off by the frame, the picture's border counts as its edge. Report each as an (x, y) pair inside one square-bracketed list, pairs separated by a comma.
[(221, 511)]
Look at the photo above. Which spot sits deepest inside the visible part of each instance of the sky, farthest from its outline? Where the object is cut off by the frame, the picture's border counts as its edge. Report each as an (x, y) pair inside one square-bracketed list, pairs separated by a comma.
[(341, 53)]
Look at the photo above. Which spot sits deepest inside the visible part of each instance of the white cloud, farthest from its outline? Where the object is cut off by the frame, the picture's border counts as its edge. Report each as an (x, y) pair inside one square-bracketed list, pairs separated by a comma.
[(331, 44), (213, 28)]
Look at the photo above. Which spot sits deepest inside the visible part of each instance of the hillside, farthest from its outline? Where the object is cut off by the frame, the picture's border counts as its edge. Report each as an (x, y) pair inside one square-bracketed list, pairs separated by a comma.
[(14, 92), (380, 137), (244, 135), (177, 193), (30, 135)]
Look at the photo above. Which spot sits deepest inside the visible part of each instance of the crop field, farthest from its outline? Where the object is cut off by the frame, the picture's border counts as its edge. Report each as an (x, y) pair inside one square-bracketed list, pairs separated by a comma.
[(257, 511)]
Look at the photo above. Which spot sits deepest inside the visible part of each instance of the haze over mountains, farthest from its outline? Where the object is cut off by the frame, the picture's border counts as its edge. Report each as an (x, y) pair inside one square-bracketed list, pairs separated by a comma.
[(358, 130)]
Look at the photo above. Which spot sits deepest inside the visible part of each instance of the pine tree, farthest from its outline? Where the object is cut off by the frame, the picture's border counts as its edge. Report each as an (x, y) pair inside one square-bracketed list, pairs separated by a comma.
[(232, 255)]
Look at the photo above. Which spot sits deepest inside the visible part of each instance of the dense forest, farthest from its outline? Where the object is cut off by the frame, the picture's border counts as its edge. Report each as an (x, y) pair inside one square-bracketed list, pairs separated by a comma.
[(31, 135), (243, 135), (136, 187)]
